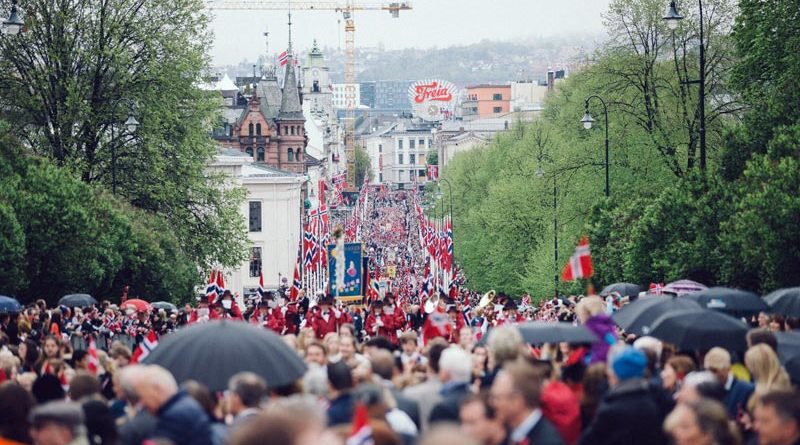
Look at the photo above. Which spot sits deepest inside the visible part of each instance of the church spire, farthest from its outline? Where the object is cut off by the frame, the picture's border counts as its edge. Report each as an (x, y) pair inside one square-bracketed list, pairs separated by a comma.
[(291, 108)]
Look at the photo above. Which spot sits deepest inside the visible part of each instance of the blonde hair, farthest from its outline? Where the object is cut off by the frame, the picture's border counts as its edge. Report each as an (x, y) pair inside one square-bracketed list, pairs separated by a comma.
[(767, 372), (588, 307)]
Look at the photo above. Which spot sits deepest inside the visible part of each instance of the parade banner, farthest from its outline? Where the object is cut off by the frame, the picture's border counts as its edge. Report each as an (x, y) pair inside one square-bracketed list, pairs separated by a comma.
[(353, 275), (391, 271)]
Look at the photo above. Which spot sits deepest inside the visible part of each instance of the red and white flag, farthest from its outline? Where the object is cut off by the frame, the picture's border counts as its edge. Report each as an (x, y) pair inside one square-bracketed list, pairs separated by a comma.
[(145, 347), (580, 263), (94, 363), (294, 293), (361, 434), (211, 287), (283, 58), (433, 172)]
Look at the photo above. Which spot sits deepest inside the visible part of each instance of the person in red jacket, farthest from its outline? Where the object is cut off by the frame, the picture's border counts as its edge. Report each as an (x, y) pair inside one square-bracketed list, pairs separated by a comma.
[(379, 324), (392, 308), (260, 315), (226, 308), (276, 321), (456, 319), (326, 320), (202, 313)]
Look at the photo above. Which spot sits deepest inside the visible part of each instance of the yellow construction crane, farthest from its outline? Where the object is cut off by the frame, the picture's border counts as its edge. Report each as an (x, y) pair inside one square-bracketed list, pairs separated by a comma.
[(347, 9)]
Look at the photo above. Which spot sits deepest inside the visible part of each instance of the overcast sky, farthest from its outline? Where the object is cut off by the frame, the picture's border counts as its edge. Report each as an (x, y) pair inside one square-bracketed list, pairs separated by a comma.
[(442, 23)]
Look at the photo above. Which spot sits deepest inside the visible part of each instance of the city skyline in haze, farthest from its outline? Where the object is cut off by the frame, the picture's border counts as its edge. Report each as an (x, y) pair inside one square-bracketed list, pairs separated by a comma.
[(239, 35)]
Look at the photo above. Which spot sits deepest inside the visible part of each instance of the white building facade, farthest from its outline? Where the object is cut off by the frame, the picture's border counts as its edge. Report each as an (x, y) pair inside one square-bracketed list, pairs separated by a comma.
[(272, 212), (339, 95), (398, 154)]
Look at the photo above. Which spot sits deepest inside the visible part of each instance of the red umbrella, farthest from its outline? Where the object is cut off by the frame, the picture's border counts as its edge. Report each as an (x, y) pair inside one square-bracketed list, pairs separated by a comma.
[(139, 305)]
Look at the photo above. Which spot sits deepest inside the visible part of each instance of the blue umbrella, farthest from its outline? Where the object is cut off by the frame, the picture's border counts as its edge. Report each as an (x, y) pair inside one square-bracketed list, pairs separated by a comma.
[(785, 301), (77, 300), (9, 304)]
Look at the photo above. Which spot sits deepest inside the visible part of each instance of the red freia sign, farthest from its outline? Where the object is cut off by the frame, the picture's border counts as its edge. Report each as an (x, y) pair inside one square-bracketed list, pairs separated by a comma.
[(432, 91)]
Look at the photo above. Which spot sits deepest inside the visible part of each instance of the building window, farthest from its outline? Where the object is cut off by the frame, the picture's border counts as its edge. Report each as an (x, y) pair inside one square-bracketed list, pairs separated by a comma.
[(285, 131), (497, 110), (250, 129), (380, 177), (249, 150), (316, 86), (380, 148), (411, 143), (422, 143), (497, 96), (412, 159), (399, 144), (421, 174), (291, 130), (400, 158), (255, 216), (399, 175), (297, 155), (411, 175), (290, 157), (260, 152), (255, 261)]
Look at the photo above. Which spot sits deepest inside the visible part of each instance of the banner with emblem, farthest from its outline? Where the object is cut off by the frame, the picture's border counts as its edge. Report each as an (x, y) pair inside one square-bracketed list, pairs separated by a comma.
[(353, 272)]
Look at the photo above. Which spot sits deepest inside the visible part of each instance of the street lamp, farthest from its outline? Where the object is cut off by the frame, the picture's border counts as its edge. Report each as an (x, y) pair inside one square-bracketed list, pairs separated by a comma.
[(540, 174), (673, 18), (450, 193), (131, 124), (13, 24), (587, 124)]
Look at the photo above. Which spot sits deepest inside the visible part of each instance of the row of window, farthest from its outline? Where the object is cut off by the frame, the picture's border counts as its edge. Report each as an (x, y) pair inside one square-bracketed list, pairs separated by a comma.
[(411, 144), (291, 154), (255, 130), (401, 173), (412, 159)]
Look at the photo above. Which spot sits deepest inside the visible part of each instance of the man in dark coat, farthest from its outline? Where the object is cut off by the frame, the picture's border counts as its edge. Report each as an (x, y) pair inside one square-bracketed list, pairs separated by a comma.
[(515, 397), (455, 372), (632, 411), (340, 394), (737, 392), (179, 417), (383, 366)]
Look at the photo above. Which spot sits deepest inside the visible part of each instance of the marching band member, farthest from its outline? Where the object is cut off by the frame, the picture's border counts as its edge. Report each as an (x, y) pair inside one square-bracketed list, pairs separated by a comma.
[(325, 320), (379, 324)]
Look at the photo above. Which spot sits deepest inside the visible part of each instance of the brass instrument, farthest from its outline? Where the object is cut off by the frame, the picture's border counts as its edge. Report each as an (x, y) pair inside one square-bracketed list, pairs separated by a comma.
[(431, 303), (487, 299)]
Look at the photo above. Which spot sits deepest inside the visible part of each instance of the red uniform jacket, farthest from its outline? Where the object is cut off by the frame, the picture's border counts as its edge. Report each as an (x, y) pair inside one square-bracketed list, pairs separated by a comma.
[(388, 330), (437, 324), (322, 327), (212, 315)]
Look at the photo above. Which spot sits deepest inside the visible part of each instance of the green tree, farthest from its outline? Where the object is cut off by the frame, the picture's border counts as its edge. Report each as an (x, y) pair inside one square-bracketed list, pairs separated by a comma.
[(363, 166), (69, 82)]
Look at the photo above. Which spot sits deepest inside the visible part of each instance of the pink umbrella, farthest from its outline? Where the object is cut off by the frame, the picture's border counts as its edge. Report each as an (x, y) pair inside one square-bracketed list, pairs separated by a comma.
[(683, 287)]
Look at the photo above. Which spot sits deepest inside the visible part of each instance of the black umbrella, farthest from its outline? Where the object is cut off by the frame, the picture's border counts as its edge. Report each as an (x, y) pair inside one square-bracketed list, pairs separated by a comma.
[(77, 300), (785, 301), (213, 352), (9, 304), (789, 352), (166, 305), (624, 289), (731, 301), (700, 329), (538, 332), (638, 317)]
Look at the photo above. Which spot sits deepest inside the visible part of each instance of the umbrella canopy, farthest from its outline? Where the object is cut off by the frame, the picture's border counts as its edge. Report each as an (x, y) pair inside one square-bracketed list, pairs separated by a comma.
[(538, 332), (683, 287), (731, 301), (789, 352), (700, 329), (9, 304), (785, 301), (166, 305), (624, 289), (213, 352), (77, 300), (139, 305), (638, 317)]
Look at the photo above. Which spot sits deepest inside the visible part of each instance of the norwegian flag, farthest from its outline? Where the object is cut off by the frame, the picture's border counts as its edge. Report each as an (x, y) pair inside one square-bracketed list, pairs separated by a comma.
[(656, 288), (294, 293), (211, 288), (580, 263), (433, 172), (308, 248), (94, 363), (526, 300), (220, 285), (283, 58), (145, 347), (425, 291), (262, 291), (448, 228), (361, 434)]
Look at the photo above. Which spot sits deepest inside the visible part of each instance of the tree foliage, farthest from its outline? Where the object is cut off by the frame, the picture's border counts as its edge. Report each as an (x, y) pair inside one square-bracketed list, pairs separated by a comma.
[(68, 84), (363, 166)]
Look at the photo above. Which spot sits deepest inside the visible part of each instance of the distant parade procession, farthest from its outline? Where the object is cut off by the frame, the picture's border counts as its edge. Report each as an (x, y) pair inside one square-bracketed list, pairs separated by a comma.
[(355, 222)]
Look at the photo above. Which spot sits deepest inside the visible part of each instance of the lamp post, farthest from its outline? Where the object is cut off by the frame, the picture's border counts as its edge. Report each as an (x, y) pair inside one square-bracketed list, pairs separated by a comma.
[(131, 124), (588, 121), (450, 193), (673, 18), (13, 24), (540, 174)]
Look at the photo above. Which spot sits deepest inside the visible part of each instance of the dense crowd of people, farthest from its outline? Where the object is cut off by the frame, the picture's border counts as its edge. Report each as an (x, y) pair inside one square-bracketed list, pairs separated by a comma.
[(457, 373)]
